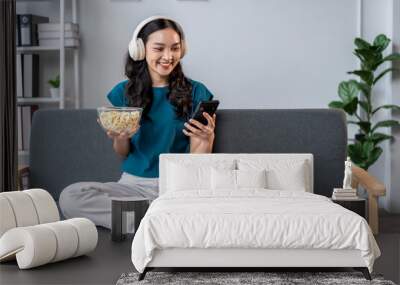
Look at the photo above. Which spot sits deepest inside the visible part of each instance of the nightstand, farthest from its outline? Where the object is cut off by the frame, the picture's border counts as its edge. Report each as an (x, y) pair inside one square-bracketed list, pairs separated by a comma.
[(357, 206)]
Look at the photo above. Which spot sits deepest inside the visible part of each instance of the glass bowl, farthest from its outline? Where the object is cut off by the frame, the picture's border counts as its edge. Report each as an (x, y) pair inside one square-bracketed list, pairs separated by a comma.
[(119, 119)]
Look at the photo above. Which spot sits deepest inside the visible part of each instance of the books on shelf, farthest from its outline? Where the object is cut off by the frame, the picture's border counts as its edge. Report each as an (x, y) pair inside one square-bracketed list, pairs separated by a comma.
[(49, 34), (55, 27), (25, 114), (56, 35), (56, 42), (27, 69), (19, 127), (344, 198), (341, 190), (344, 194), (30, 75), (27, 29), (19, 77), (17, 32)]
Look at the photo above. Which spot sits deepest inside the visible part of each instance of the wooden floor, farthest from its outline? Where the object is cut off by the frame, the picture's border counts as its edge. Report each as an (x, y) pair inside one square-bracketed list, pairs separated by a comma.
[(110, 260)]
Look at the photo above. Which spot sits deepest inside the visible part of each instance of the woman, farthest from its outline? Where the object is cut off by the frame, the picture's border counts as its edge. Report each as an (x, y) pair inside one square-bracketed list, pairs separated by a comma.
[(157, 84)]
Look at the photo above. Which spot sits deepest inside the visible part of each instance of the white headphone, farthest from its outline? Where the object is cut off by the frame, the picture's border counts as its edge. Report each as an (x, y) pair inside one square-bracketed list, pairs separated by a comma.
[(136, 46)]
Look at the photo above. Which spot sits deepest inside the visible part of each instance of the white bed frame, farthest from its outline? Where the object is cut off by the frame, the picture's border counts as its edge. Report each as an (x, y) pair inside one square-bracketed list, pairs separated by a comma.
[(234, 257), (246, 257), (256, 258)]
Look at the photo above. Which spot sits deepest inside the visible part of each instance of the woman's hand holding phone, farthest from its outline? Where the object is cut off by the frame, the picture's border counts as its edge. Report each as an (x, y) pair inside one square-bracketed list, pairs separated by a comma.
[(201, 136), (195, 128)]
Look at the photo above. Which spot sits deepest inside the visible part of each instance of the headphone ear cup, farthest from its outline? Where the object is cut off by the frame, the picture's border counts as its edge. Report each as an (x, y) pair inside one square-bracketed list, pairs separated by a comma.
[(184, 48), (140, 50), (131, 49), (136, 49)]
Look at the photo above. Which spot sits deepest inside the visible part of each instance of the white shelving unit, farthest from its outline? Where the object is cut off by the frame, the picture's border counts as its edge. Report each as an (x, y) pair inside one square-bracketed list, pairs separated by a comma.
[(39, 49), (61, 48), (38, 100)]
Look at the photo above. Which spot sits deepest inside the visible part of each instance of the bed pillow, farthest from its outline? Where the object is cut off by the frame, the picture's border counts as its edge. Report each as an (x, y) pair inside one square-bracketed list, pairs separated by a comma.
[(228, 179), (282, 174), (188, 175), (223, 179), (251, 178)]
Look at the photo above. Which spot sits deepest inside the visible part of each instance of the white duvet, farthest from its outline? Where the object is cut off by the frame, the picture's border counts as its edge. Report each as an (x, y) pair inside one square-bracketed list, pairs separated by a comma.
[(250, 219)]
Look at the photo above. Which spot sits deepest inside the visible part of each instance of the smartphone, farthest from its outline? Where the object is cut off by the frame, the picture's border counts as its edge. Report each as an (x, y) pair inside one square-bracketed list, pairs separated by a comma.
[(205, 106)]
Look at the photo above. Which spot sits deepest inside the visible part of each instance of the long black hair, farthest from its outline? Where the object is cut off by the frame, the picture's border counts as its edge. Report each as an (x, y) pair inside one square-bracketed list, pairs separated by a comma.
[(138, 90)]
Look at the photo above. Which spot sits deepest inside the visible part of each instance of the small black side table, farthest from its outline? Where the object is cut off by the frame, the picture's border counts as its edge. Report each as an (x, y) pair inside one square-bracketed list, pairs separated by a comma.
[(357, 206), (120, 205)]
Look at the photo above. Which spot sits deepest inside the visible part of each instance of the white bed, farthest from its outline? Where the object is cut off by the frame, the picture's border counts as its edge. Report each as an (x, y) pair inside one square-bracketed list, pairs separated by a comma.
[(201, 220)]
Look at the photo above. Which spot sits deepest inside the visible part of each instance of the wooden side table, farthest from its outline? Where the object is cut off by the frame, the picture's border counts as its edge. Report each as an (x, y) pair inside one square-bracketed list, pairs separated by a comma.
[(357, 206), (119, 208)]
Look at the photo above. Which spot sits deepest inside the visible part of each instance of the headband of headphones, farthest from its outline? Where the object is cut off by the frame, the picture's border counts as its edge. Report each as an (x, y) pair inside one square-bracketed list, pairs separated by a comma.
[(136, 46)]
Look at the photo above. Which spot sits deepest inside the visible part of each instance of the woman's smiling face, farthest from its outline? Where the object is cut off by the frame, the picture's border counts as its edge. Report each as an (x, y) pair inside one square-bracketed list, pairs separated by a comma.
[(163, 53)]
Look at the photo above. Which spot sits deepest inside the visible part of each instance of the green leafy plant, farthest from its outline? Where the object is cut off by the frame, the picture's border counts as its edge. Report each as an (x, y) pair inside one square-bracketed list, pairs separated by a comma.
[(55, 83), (365, 151)]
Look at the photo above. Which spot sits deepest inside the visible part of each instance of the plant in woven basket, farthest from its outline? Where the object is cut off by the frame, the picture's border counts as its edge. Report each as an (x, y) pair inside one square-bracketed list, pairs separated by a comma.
[(366, 150)]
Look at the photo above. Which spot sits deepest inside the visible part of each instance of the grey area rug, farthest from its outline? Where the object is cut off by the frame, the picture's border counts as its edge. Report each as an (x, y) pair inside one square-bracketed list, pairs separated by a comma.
[(232, 278)]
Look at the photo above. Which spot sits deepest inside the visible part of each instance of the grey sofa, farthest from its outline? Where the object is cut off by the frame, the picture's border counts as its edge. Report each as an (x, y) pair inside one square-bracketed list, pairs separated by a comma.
[(69, 146)]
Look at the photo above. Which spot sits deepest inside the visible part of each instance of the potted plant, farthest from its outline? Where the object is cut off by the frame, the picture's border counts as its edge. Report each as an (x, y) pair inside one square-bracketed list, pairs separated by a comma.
[(365, 150), (55, 87)]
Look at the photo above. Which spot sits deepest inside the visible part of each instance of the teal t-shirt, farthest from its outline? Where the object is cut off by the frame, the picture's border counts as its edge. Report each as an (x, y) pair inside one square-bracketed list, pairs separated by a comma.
[(160, 133)]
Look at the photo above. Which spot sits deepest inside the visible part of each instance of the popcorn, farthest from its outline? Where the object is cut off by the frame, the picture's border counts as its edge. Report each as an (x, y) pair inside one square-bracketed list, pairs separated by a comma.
[(119, 120)]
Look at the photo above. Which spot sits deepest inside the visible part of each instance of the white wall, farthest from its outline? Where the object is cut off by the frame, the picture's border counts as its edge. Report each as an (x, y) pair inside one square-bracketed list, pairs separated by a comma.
[(250, 53), (394, 202), (383, 17)]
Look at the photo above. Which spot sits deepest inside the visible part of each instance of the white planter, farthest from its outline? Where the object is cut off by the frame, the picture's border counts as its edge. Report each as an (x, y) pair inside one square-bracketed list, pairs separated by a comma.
[(55, 92)]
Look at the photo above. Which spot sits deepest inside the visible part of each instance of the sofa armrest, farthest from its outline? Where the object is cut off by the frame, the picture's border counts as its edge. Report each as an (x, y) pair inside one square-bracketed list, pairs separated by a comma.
[(23, 171), (375, 188), (372, 185)]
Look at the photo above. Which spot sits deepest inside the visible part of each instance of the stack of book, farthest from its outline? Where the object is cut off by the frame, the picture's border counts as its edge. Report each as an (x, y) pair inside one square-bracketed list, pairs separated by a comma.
[(27, 67), (49, 34), (24, 121), (27, 29), (344, 194)]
